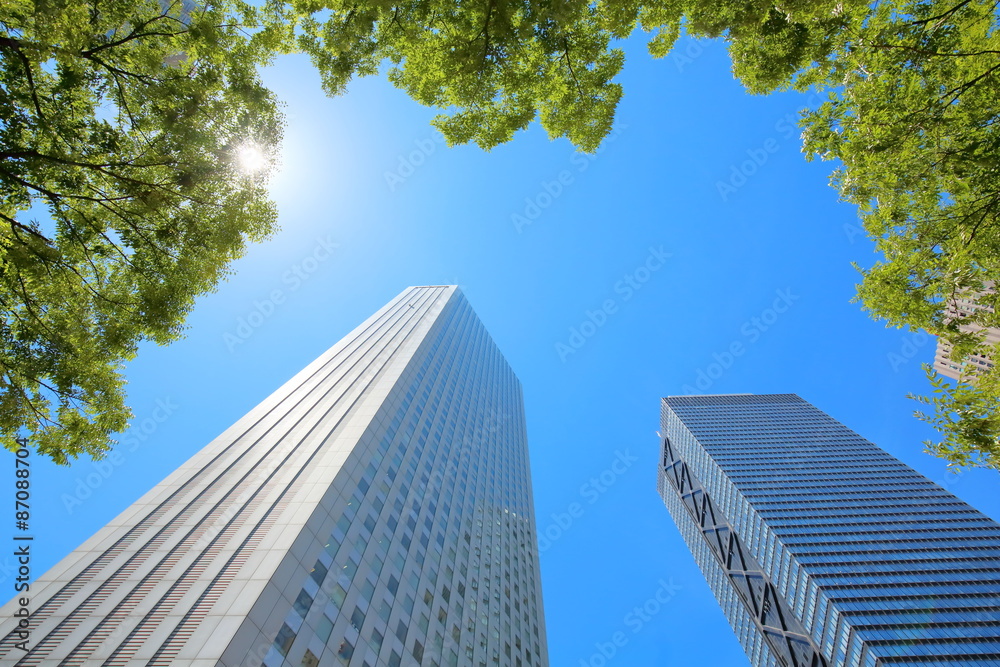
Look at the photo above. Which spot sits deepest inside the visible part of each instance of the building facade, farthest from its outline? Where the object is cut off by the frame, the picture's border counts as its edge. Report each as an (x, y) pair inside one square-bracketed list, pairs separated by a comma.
[(822, 549), (375, 510), (968, 369)]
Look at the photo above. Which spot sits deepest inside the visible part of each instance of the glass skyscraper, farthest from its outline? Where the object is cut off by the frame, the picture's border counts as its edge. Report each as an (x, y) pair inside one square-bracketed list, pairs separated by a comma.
[(375, 510), (822, 549)]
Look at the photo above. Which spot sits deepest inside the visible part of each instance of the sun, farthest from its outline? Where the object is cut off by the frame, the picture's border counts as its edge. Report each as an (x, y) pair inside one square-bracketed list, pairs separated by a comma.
[(250, 159)]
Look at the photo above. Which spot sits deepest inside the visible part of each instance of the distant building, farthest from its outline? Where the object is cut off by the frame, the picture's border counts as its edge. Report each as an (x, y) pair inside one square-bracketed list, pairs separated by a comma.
[(822, 549), (972, 365), (182, 12), (374, 511)]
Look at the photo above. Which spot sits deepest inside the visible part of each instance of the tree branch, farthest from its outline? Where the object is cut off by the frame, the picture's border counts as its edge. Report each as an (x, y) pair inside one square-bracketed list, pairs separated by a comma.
[(941, 16), (569, 64), (134, 34), (15, 46)]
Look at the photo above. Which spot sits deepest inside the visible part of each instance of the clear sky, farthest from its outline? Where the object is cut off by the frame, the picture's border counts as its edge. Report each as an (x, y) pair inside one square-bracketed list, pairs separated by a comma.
[(698, 226)]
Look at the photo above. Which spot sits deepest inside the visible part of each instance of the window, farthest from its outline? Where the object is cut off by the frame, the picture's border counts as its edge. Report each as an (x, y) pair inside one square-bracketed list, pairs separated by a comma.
[(284, 640), (302, 603), (345, 652), (367, 590), (323, 628), (384, 609), (338, 595), (357, 618), (318, 573)]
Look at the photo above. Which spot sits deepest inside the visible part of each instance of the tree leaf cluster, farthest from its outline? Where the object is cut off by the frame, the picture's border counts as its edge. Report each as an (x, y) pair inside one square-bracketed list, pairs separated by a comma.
[(911, 115), (120, 122), (120, 197), (494, 65), (911, 119)]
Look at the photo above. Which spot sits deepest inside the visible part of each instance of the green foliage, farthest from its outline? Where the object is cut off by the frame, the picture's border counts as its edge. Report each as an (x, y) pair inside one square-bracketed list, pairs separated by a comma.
[(496, 65), (121, 199), (918, 141), (914, 126), (911, 116), (121, 119), (968, 415), (912, 119)]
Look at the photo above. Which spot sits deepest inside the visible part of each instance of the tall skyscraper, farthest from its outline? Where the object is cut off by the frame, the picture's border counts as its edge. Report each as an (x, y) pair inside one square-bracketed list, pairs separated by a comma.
[(822, 549), (375, 510)]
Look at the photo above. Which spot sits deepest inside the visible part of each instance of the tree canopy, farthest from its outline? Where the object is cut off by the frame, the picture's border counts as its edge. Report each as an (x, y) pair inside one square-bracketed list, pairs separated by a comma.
[(122, 197), (911, 116), (121, 121), (496, 64)]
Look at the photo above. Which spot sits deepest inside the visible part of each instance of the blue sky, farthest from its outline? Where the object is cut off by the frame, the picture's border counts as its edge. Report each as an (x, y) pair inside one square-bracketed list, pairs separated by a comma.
[(698, 230)]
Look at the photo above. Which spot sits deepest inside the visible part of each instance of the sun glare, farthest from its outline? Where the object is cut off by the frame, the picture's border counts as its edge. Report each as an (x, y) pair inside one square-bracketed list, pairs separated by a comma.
[(251, 159)]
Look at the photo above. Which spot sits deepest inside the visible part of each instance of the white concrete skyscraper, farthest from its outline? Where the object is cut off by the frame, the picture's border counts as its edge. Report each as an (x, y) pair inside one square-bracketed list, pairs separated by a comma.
[(375, 510)]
